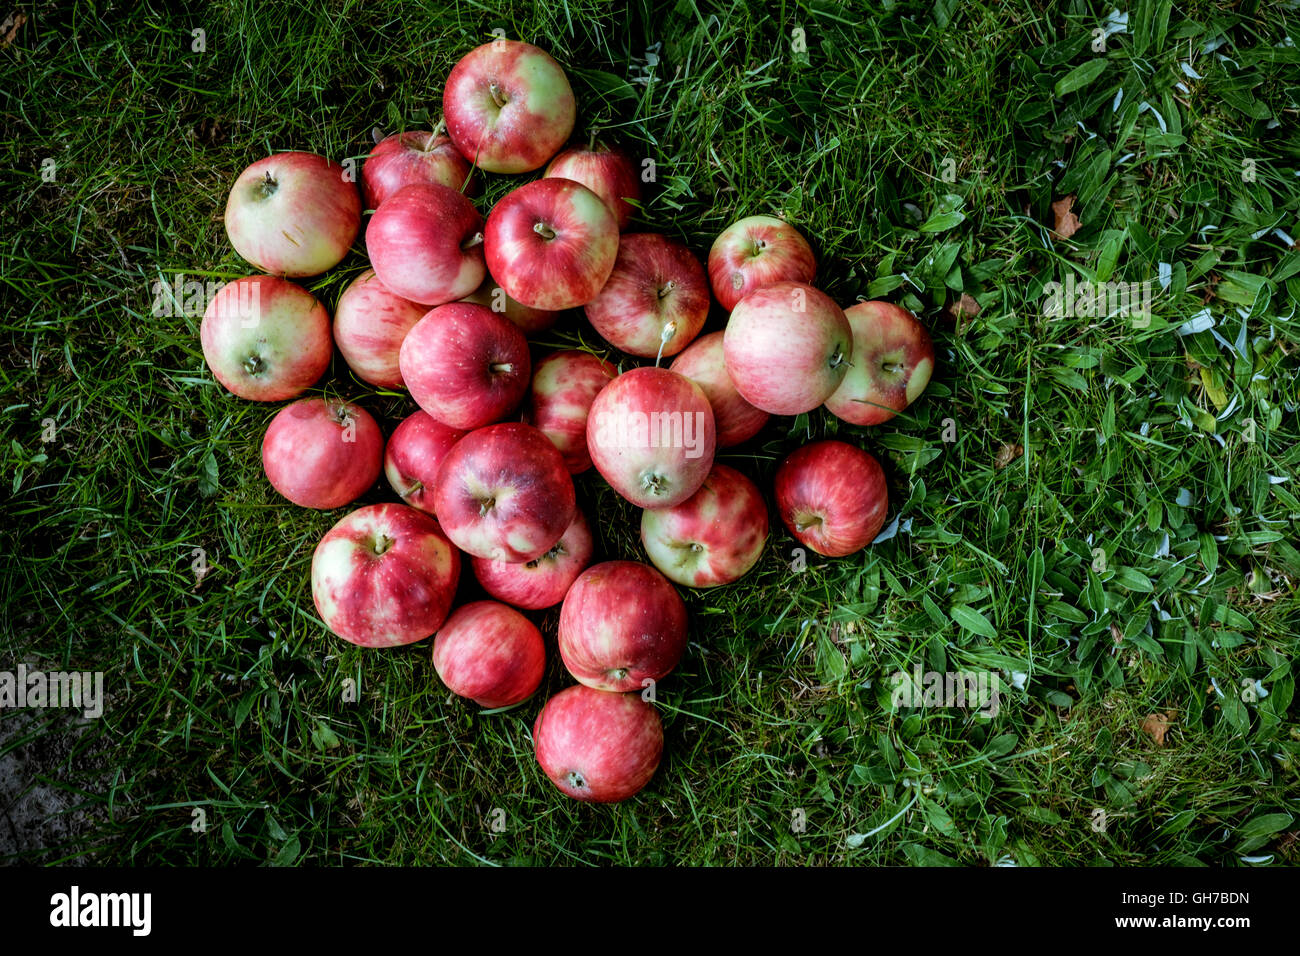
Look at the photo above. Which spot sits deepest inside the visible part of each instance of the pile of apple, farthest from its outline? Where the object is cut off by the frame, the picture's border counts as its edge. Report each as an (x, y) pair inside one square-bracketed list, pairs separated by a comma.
[(444, 312)]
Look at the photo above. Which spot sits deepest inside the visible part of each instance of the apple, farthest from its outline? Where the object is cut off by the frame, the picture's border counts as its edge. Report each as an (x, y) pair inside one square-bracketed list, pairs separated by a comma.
[(322, 454), (656, 299), (265, 338), (622, 625), (893, 358), (369, 325), (551, 244), (565, 383), (787, 347), (598, 747), (702, 362), (415, 450), (529, 321), (412, 157), (754, 253), (489, 653), (465, 365), (426, 244), (832, 497), (508, 106), (651, 435), (607, 171), (713, 537), (384, 575), (503, 493), (293, 214), (542, 582)]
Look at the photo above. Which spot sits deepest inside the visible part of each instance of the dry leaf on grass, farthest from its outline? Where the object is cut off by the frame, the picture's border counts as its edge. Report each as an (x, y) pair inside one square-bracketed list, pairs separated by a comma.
[(10, 28), (1157, 725), (1007, 454), (964, 307), (1067, 223)]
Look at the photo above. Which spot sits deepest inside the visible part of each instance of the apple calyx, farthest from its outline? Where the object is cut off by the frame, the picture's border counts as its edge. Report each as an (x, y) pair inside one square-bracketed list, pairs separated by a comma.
[(543, 230), (838, 358), (485, 505), (265, 188), (575, 780), (756, 249), (551, 555), (617, 674), (253, 365), (653, 484)]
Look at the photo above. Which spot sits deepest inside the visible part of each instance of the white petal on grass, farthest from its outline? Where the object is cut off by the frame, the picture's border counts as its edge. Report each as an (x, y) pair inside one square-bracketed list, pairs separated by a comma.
[(1125, 158), (1260, 692), (1119, 98), (1215, 685), (1165, 273), (1198, 323), (1278, 479), (1144, 106), (1184, 499), (1261, 232), (1205, 229), (1018, 679), (1240, 344), (1162, 551), (888, 531), (1116, 23), (1180, 85), (1286, 240), (1189, 72), (1258, 859), (1230, 408), (1272, 124), (1211, 45)]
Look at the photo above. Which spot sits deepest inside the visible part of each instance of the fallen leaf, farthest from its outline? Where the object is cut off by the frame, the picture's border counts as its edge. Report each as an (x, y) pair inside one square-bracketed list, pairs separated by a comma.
[(10, 27), (965, 307), (1007, 454), (1067, 223), (1157, 725)]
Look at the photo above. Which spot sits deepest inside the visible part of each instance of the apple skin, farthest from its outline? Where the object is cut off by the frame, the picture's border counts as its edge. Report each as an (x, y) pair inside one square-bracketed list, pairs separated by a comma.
[(893, 359), (551, 244), (528, 320), (625, 436), (606, 170), (621, 623), (293, 214), (384, 575), (565, 383), (465, 365), (713, 537), (369, 325), (787, 348), (598, 747), (755, 252), (508, 106), (415, 156), (703, 363), (426, 244), (321, 454), (489, 653), (832, 497), (543, 582), (415, 450), (503, 493), (266, 339), (657, 287)]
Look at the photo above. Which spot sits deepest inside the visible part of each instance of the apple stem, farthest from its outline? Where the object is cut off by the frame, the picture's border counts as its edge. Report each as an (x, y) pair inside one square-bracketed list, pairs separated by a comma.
[(666, 333), (543, 230), (503, 368), (472, 241), (485, 507), (439, 129), (383, 543), (498, 96)]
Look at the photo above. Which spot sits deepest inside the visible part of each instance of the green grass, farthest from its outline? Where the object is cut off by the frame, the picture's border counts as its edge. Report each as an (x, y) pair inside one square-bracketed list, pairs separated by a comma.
[(226, 694)]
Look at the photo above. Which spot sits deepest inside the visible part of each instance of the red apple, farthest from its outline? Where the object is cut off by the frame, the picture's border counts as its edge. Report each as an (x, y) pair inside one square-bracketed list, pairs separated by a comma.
[(598, 747), (702, 362), (754, 253), (651, 435), (384, 575), (369, 325), (293, 214), (503, 493), (621, 623), (322, 454), (713, 537), (508, 106), (489, 653), (415, 450), (832, 497), (412, 157), (544, 581), (529, 321), (465, 365), (551, 244), (265, 338), (564, 385), (893, 358), (787, 348), (657, 297), (426, 244), (607, 171)]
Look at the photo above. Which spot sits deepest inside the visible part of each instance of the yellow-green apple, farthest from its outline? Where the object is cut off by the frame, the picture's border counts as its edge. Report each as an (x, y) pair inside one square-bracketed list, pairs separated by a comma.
[(565, 383), (415, 450), (787, 347), (384, 575), (756, 252), (832, 496), (503, 493), (369, 325), (893, 358), (265, 338), (651, 435), (508, 106), (702, 362), (713, 537), (621, 623), (489, 653), (465, 365), (529, 320), (412, 157), (551, 244), (544, 581), (293, 214), (426, 244), (607, 171), (656, 299), (322, 454), (598, 747)]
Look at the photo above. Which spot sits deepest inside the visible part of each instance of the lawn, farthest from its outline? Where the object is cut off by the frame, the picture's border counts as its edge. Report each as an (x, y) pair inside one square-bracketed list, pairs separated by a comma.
[(1095, 505)]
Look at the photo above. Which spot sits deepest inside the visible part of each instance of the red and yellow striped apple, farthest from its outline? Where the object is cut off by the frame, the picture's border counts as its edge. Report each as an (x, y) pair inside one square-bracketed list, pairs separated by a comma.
[(598, 747), (426, 244), (565, 383), (489, 653), (415, 450), (832, 497), (755, 252), (893, 358), (322, 454), (369, 325)]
